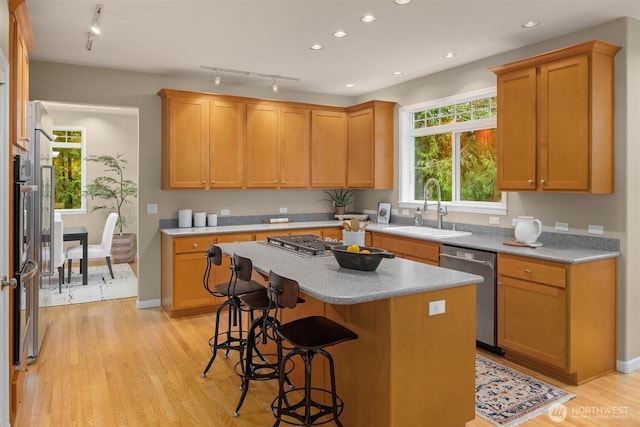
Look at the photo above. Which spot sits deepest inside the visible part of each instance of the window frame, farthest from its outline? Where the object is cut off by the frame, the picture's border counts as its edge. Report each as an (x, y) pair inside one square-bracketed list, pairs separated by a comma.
[(407, 152), (83, 165)]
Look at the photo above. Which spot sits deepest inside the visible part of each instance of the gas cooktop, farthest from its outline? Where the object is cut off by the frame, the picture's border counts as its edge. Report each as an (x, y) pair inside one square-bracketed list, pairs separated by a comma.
[(303, 244)]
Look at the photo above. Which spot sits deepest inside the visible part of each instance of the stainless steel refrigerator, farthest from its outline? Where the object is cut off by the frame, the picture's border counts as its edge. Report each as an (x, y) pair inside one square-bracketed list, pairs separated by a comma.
[(41, 154)]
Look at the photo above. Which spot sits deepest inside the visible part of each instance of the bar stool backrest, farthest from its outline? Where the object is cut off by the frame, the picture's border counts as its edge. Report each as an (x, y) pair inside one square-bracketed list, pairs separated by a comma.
[(283, 292), (215, 254), (243, 267)]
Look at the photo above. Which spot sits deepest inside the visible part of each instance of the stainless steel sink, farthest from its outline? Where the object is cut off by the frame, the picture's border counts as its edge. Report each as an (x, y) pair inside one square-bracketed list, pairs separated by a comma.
[(435, 233)]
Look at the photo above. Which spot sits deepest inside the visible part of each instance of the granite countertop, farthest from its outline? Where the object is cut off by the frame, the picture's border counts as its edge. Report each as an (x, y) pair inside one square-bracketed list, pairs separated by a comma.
[(322, 278), (557, 247)]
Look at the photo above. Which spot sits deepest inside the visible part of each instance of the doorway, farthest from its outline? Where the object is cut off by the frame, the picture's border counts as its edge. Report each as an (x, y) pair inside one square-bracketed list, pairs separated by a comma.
[(103, 131)]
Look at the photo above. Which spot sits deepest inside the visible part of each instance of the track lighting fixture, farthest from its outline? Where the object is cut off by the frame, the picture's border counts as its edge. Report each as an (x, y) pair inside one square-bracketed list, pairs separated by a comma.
[(274, 77), (96, 26)]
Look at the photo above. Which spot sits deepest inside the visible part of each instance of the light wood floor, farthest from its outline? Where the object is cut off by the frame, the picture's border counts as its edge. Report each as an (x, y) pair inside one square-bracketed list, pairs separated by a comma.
[(109, 364)]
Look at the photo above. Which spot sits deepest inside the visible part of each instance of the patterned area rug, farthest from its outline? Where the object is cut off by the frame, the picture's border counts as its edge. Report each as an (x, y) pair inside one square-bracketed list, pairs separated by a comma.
[(100, 286), (506, 397)]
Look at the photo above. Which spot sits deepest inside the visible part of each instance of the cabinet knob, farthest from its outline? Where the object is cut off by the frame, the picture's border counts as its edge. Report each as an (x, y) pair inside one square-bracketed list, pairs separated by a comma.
[(203, 182), (542, 181), (195, 245), (275, 182), (213, 182), (526, 270), (530, 182), (499, 283), (282, 182)]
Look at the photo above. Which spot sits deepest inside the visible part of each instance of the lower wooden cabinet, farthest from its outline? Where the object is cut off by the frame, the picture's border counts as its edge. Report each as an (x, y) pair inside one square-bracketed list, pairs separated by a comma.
[(183, 262), (559, 318), (414, 249)]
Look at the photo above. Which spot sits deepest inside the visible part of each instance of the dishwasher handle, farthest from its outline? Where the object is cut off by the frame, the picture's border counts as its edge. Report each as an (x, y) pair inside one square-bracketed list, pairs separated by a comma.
[(477, 261)]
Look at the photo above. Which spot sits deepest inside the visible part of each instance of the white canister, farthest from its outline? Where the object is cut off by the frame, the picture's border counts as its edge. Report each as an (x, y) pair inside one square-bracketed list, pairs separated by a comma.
[(185, 218), (353, 238), (200, 219), (212, 220)]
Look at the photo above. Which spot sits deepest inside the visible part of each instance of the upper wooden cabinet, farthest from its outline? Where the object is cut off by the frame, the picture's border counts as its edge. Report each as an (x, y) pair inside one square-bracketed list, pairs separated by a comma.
[(370, 153), (556, 121), (328, 149), (277, 146), (216, 141), (21, 40)]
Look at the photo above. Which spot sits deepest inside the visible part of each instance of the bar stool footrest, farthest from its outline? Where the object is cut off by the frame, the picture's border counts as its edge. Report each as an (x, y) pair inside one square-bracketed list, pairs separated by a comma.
[(290, 411)]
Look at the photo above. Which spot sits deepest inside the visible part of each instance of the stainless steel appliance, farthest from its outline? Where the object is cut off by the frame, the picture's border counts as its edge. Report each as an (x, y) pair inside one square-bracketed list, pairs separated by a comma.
[(41, 155), (302, 244), (483, 264), (25, 267)]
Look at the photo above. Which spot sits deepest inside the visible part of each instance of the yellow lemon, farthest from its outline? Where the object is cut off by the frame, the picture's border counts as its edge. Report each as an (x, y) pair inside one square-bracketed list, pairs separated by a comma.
[(365, 251), (353, 248)]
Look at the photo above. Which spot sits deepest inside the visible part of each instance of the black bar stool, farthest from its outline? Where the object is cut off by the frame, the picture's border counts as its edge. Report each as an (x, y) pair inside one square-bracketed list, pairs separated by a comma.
[(308, 336), (239, 283)]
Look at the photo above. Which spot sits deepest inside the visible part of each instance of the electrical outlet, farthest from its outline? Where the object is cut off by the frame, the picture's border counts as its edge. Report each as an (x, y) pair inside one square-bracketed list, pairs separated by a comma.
[(595, 229), (283, 210), (394, 212), (562, 226), (436, 307), (494, 220), (152, 208), (405, 212), (225, 212)]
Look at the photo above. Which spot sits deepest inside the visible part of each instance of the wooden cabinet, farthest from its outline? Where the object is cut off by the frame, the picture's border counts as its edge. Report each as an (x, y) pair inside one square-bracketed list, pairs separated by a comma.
[(20, 41), (226, 144), (556, 122), (404, 247), (370, 145), (558, 317), (277, 146), (328, 149)]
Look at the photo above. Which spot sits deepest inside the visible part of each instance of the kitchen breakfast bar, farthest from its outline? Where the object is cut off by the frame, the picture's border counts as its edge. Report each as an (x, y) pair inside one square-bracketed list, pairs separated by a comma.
[(407, 368)]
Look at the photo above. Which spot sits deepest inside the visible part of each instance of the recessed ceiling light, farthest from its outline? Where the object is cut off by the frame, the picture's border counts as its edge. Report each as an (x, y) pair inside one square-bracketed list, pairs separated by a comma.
[(530, 24), (368, 18), (449, 55), (315, 47), (339, 34), (397, 73), (402, 1), (349, 85)]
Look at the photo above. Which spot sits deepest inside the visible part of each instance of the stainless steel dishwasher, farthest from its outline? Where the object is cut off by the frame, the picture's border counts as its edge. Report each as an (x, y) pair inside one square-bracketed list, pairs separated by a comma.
[(483, 264)]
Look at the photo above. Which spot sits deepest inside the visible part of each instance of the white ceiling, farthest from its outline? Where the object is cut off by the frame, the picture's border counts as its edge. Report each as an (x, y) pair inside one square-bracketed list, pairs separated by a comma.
[(273, 36)]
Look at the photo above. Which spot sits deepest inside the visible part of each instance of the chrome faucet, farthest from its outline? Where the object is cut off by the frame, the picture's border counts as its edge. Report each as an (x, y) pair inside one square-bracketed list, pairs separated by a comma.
[(442, 210)]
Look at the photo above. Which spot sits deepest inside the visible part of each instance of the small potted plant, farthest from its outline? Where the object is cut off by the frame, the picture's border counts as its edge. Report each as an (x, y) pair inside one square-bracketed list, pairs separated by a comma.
[(340, 199), (118, 191)]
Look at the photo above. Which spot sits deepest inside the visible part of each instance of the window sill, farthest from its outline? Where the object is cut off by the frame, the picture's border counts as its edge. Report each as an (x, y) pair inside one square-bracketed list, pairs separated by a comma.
[(476, 208)]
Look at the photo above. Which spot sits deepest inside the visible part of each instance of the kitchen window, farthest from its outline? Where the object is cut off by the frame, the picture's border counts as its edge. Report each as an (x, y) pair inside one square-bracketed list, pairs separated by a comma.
[(453, 140), (70, 168)]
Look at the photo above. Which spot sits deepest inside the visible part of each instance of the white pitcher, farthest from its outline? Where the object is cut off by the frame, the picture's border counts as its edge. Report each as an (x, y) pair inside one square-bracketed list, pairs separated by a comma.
[(528, 229)]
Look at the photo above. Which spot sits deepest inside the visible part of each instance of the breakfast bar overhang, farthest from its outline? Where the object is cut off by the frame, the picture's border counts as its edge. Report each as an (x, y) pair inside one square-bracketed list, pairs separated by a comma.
[(407, 367)]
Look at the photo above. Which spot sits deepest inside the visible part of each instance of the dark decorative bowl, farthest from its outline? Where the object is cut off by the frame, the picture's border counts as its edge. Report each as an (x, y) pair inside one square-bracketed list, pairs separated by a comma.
[(358, 261)]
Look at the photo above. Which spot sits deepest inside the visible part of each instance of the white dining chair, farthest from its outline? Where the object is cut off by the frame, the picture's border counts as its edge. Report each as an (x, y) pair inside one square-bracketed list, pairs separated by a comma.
[(103, 250), (57, 262)]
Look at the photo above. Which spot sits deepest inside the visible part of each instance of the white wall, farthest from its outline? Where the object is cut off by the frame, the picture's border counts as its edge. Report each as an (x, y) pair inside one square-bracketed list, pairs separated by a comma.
[(105, 134)]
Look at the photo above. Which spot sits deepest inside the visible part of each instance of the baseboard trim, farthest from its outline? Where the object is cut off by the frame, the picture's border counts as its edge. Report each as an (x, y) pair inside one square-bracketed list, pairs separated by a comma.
[(140, 305), (628, 366)]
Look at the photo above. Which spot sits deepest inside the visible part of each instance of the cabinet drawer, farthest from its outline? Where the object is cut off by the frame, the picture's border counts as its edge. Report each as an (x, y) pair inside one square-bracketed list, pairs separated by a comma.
[(534, 271), (192, 244), (416, 249)]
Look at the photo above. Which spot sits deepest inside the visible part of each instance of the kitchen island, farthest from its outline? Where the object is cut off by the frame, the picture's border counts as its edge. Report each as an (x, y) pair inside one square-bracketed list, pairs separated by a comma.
[(406, 368)]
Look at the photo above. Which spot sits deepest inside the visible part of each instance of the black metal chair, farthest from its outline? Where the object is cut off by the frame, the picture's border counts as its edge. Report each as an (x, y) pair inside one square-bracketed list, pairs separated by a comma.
[(239, 283), (308, 336)]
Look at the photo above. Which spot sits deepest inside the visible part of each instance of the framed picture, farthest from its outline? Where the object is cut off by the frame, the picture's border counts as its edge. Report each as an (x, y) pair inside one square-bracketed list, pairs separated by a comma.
[(384, 212)]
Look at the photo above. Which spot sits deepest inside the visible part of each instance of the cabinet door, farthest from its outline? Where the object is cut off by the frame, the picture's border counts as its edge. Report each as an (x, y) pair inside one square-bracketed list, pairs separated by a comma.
[(563, 119), (188, 288), (186, 143), (532, 320), (328, 149), (262, 146), (517, 141), (20, 69), (226, 149), (360, 171), (294, 139)]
